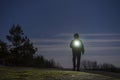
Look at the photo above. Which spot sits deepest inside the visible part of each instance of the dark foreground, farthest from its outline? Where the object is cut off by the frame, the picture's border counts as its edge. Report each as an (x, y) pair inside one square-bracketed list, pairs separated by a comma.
[(18, 73)]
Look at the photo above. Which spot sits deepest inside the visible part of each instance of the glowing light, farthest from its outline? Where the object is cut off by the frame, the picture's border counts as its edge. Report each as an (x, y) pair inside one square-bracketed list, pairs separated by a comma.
[(77, 43)]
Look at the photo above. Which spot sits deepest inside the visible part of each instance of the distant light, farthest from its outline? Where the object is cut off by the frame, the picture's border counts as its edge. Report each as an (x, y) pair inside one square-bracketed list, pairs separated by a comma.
[(77, 43)]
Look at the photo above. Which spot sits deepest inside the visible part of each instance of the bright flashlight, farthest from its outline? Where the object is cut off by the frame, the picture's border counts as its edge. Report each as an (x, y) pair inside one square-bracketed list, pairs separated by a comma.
[(77, 43)]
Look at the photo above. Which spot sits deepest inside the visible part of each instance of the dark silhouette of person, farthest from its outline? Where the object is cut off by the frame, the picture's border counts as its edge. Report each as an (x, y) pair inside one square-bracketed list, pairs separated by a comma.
[(77, 49)]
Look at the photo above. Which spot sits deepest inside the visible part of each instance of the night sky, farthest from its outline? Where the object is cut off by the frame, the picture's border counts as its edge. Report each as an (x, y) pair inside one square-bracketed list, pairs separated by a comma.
[(50, 25)]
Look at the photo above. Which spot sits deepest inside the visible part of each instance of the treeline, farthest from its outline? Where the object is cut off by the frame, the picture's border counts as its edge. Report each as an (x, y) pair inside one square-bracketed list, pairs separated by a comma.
[(94, 65), (21, 52)]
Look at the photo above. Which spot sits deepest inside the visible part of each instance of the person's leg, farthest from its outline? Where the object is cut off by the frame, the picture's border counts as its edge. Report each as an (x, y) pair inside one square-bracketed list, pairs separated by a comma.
[(78, 61), (74, 61)]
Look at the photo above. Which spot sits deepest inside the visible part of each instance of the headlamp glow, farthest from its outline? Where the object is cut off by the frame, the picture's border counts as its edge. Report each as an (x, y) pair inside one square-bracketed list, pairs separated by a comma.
[(77, 43)]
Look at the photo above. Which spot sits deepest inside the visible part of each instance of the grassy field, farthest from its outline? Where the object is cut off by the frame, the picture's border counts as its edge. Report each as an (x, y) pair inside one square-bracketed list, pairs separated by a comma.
[(18, 73)]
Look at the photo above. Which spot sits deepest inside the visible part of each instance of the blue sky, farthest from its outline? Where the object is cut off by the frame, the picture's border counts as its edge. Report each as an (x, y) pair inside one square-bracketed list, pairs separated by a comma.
[(50, 24)]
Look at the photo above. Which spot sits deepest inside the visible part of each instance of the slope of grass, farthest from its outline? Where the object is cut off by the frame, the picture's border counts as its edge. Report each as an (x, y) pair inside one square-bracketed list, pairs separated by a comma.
[(17, 73)]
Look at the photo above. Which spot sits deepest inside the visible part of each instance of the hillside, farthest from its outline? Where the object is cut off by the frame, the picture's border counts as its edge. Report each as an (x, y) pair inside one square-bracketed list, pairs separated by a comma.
[(19, 73)]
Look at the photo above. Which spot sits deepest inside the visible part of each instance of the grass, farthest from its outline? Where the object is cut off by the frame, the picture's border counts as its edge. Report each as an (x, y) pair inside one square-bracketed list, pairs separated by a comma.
[(18, 73)]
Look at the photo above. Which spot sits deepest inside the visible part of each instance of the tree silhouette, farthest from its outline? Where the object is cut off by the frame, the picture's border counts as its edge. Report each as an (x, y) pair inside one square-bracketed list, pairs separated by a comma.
[(93, 65), (3, 52), (16, 36), (22, 49), (41, 62)]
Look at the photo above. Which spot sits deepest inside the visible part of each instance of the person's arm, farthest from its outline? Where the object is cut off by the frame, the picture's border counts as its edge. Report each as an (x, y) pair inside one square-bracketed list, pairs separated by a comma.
[(82, 48)]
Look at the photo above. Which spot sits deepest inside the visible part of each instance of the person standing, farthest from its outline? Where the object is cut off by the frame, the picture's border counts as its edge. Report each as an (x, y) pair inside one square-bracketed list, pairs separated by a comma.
[(77, 50)]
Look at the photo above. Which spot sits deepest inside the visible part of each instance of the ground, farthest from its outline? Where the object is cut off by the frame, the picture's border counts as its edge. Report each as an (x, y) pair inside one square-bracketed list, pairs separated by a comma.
[(20, 73)]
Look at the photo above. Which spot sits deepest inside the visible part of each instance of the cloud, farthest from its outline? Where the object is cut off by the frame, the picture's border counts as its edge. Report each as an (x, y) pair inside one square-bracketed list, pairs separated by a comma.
[(101, 34), (49, 48), (62, 44), (88, 35), (102, 48), (48, 40), (102, 40)]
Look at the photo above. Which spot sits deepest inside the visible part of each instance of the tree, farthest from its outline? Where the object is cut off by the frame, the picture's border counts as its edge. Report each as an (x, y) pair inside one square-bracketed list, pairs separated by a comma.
[(93, 65), (21, 49), (16, 36), (3, 52)]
